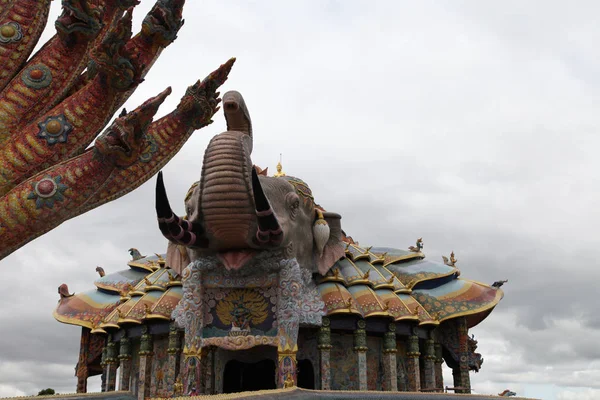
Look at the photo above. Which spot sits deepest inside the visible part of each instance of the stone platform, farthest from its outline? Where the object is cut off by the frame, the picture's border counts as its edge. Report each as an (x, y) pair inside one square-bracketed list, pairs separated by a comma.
[(303, 394), (287, 394)]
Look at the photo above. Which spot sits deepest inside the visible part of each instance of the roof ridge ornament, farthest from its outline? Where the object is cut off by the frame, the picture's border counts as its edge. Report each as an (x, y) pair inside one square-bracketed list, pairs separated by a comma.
[(451, 262), (418, 247)]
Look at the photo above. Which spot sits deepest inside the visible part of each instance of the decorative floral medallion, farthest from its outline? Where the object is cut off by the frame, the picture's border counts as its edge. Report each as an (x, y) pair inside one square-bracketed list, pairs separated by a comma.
[(55, 129), (37, 76), (46, 191), (150, 148), (10, 32)]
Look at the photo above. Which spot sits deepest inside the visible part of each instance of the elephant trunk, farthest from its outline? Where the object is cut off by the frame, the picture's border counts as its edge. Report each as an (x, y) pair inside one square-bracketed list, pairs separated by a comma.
[(236, 213), (226, 198), (236, 114)]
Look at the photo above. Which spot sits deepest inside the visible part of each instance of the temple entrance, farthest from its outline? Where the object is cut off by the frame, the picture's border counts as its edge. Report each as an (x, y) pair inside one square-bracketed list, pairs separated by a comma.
[(240, 376), (306, 374)]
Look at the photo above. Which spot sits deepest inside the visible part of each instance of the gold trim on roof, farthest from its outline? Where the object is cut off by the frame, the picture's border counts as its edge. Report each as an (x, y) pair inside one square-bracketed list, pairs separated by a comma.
[(404, 257), (71, 321), (479, 310), (384, 311), (128, 321), (156, 316)]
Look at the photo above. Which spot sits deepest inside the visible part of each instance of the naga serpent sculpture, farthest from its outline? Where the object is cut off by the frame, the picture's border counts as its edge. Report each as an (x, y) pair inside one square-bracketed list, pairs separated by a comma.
[(52, 109)]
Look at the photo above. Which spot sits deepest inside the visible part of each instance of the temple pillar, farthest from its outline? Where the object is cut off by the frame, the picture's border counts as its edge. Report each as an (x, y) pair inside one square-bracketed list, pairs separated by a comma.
[(125, 361), (461, 373), (208, 368), (360, 347), (103, 365), (390, 375), (145, 368), (324, 346), (81, 371), (439, 360), (429, 365), (112, 363), (174, 351), (412, 364)]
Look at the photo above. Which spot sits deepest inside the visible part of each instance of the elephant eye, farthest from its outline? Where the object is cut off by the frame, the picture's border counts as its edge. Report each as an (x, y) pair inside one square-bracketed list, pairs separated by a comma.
[(293, 203)]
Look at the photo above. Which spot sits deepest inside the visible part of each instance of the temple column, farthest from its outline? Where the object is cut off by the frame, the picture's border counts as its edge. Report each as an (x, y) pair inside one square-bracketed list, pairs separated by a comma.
[(412, 364), (324, 345), (439, 360), (390, 375), (461, 373), (208, 368), (125, 360), (429, 365), (174, 359), (103, 365), (145, 369), (112, 363), (82, 368), (360, 347)]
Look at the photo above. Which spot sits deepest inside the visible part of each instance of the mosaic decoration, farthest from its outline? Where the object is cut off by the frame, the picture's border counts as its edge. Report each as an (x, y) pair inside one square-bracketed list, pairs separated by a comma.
[(288, 306), (344, 367), (240, 312), (374, 364), (160, 365), (52, 112)]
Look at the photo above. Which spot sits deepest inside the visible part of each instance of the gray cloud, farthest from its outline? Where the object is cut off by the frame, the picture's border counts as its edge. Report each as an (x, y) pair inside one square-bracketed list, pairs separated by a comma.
[(472, 125)]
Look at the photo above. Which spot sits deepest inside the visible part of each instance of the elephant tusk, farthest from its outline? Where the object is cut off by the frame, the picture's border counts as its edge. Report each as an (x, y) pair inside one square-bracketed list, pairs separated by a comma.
[(175, 229), (269, 231)]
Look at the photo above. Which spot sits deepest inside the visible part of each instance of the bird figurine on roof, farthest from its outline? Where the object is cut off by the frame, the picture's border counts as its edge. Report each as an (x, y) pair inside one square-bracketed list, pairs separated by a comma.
[(418, 247), (451, 262), (100, 271), (63, 291), (135, 254), (507, 393), (498, 284)]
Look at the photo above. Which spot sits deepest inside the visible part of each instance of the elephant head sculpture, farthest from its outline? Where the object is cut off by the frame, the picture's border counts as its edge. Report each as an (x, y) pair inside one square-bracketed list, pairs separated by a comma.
[(236, 212)]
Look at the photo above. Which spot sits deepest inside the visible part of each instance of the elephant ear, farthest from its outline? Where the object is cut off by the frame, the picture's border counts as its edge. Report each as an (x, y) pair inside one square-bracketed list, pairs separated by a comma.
[(177, 257), (334, 248)]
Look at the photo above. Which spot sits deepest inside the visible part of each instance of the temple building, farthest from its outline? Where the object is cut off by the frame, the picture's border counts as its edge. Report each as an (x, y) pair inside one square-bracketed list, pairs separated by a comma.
[(384, 319), (261, 288)]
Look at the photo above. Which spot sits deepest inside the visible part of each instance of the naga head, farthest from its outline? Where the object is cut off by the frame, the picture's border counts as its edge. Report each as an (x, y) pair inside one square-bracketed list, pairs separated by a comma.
[(163, 21), (111, 59), (236, 214), (79, 18), (123, 141)]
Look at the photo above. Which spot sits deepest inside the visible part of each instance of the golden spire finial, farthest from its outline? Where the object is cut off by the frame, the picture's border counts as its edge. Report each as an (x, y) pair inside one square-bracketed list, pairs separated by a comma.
[(279, 168)]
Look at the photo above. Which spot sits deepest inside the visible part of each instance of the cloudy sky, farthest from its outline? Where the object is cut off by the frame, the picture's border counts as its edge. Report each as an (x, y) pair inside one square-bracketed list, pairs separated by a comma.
[(472, 124)]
